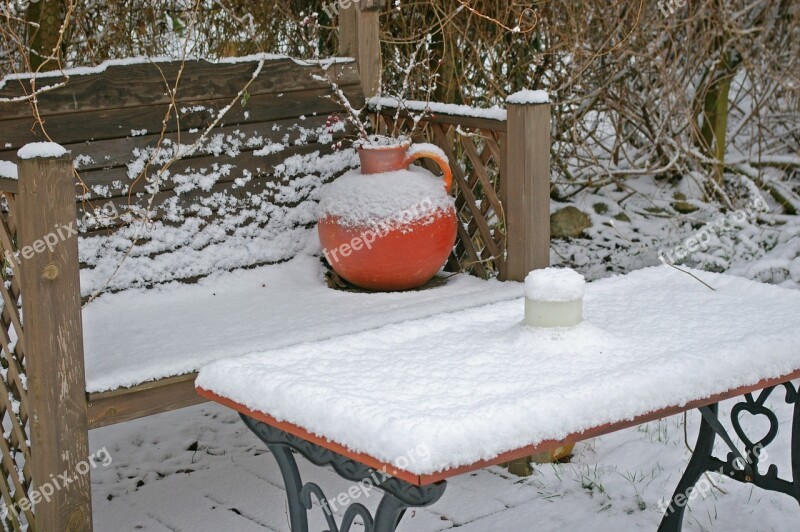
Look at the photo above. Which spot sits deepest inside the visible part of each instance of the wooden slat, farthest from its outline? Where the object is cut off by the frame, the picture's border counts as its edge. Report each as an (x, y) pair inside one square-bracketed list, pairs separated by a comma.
[(502, 262), (12, 312), (458, 175), (261, 167), (118, 152), (14, 357), (6, 241), (454, 120), (7, 498), (491, 199), (258, 166), (138, 85), (118, 123), (8, 185), (488, 253), (475, 262), (125, 404), (478, 163), (20, 491), (122, 203), (16, 431), (492, 143), (11, 217)]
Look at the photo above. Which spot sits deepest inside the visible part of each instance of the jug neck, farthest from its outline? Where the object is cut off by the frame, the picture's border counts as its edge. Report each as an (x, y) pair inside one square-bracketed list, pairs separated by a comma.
[(378, 159)]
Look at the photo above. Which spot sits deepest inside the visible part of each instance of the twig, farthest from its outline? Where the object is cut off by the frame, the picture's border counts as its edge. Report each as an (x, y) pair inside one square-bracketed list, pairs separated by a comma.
[(663, 261)]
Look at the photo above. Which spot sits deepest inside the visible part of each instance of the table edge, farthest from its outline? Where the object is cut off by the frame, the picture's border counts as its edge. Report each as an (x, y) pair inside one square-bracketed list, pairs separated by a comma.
[(543, 446)]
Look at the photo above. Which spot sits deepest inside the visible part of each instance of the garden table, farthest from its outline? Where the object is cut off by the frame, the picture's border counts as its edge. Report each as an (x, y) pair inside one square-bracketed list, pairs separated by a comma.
[(406, 406)]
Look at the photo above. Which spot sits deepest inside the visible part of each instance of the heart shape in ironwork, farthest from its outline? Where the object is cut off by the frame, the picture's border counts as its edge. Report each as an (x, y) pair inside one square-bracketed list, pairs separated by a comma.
[(754, 410)]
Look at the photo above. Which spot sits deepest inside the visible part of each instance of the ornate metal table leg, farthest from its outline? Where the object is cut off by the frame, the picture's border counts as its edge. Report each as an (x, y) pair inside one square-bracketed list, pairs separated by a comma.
[(698, 464), (398, 495), (298, 518), (390, 512), (738, 466)]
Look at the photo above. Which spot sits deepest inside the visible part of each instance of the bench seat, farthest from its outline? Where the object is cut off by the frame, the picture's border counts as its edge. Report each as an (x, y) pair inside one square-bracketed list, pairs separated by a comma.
[(141, 335), (475, 387)]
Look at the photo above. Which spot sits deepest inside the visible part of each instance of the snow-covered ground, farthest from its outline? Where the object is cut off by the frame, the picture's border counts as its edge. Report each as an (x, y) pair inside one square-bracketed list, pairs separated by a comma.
[(199, 469), (632, 226)]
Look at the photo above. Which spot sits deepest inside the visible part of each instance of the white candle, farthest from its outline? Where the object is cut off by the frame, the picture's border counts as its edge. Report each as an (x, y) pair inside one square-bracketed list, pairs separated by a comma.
[(554, 298)]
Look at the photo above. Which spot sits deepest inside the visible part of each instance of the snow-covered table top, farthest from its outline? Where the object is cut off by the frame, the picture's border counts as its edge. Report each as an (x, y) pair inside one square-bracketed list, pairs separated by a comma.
[(464, 387), (139, 335)]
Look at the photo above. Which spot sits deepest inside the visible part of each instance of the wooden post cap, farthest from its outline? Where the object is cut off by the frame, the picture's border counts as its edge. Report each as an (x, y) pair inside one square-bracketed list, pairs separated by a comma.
[(41, 150), (370, 5), (528, 97)]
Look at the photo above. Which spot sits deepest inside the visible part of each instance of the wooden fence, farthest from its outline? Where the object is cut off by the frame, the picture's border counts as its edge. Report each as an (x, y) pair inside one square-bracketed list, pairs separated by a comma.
[(501, 169), (16, 477), (501, 191)]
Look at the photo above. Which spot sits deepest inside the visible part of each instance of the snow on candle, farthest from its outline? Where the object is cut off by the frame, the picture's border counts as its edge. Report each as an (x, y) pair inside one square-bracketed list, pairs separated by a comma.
[(554, 297)]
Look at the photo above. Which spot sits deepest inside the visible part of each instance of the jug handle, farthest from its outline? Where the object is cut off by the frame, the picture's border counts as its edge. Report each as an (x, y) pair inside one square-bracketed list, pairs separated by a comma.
[(431, 151)]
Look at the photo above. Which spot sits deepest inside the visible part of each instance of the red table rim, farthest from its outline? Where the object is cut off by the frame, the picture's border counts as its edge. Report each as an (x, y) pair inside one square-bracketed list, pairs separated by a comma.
[(547, 445)]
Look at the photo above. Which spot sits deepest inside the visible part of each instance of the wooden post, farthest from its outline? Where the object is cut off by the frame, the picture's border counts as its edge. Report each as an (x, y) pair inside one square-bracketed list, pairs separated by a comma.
[(348, 32), (51, 304), (369, 47), (359, 37), (525, 190)]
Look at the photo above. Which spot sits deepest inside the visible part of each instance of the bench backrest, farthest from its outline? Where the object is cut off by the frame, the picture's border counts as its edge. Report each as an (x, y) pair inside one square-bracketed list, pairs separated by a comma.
[(184, 168), (246, 195)]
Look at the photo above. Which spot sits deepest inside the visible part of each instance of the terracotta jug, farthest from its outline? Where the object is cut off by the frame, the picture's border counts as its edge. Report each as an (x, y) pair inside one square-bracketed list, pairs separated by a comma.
[(405, 253)]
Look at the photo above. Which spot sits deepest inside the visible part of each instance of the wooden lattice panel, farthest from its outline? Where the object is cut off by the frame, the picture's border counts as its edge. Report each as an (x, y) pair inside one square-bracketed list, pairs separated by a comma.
[(474, 149), (15, 456)]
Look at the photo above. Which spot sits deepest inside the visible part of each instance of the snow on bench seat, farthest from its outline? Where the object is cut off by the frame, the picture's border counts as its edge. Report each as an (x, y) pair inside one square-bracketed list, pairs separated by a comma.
[(139, 335), (470, 385)]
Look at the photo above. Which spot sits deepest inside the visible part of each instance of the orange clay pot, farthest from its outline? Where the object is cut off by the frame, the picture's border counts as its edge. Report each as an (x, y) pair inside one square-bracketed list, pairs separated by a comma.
[(404, 257)]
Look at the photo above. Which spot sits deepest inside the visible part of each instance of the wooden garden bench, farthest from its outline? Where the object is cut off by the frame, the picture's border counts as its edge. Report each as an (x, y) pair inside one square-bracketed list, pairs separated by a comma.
[(404, 408), (97, 330)]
